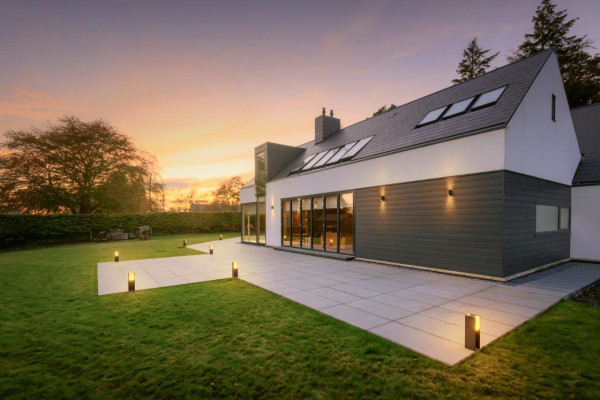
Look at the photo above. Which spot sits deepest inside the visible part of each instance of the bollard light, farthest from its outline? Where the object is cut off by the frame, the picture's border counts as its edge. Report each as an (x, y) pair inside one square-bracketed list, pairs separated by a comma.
[(234, 269), (220, 237), (116, 256), (210, 249), (184, 243), (131, 281), (472, 331)]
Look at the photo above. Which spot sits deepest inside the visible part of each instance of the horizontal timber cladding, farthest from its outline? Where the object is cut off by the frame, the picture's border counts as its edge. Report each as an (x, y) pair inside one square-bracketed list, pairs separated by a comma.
[(419, 224), (523, 248)]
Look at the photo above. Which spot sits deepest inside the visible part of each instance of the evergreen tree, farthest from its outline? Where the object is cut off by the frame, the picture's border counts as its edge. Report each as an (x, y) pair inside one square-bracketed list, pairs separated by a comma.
[(384, 109), (580, 70), (474, 62)]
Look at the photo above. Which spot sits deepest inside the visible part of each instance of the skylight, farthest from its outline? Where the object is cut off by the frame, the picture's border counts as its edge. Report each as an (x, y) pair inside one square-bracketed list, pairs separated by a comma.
[(332, 156), (458, 108), (432, 116), (488, 98), (313, 161), (341, 152), (355, 149), (326, 157), (306, 160)]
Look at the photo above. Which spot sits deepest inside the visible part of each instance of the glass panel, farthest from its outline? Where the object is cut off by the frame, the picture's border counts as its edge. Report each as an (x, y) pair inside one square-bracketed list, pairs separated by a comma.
[(458, 108), (296, 223), (306, 224), (260, 174), (565, 217), (286, 220), (262, 232), (307, 159), (432, 116), (249, 222), (331, 223), (341, 153), (313, 161), (488, 98), (357, 148), (317, 223), (326, 158), (346, 223), (546, 218)]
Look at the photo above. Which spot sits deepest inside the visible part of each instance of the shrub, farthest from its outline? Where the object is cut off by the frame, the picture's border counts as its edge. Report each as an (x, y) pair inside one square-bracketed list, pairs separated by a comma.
[(16, 229)]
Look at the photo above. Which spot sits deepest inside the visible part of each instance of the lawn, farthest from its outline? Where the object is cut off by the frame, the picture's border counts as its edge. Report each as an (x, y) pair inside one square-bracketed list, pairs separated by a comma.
[(227, 338)]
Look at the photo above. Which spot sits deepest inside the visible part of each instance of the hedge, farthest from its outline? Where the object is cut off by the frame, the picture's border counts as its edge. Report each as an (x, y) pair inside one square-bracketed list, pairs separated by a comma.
[(68, 227)]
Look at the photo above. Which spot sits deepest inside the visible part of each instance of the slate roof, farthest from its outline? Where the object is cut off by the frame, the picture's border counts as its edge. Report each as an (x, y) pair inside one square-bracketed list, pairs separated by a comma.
[(395, 130), (586, 120)]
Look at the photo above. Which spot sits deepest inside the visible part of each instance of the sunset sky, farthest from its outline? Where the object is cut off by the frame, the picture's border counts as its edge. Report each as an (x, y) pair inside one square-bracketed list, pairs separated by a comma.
[(200, 84)]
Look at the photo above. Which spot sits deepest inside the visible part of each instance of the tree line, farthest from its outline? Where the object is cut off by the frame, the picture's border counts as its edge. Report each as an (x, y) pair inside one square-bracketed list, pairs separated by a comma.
[(79, 167), (580, 70)]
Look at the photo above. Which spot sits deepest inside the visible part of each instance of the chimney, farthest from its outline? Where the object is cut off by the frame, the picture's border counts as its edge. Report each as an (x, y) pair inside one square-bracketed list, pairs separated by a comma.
[(325, 126)]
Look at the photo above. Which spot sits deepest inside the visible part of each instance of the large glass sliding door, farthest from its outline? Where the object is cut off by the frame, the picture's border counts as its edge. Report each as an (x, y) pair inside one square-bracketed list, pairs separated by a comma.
[(286, 217), (331, 222), (317, 223), (296, 223), (249, 222), (322, 223), (253, 222), (262, 213), (306, 219), (347, 223)]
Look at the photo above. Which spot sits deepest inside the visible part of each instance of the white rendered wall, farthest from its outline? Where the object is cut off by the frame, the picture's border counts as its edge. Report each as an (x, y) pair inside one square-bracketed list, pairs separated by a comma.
[(585, 222), (478, 153), (536, 145), (248, 195)]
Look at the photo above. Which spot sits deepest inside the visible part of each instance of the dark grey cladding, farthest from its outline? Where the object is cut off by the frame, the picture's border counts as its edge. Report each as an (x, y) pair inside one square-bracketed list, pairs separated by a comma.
[(587, 127), (395, 130)]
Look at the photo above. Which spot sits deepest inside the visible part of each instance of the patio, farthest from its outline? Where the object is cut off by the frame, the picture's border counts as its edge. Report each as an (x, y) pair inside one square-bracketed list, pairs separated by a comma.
[(423, 311)]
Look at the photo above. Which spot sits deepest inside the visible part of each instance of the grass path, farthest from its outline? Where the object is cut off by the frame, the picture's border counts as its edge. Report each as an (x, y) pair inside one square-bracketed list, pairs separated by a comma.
[(227, 338)]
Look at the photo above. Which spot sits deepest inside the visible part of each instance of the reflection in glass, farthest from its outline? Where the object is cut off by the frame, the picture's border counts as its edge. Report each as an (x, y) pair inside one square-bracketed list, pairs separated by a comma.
[(286, 218), (346, 223), (249, 222), (306, 223), (260, 174), (296, 223), (331, 237), (317, 223), (262, 210)]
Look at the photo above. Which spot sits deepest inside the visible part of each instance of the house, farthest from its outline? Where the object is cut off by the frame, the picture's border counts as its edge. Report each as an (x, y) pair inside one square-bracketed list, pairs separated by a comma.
[(585, 225), (475, 179)]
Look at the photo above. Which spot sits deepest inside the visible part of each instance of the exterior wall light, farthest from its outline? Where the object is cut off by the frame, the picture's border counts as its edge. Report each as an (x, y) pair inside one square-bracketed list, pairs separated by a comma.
[(382, 198), (220, 237), (210, 249), (234, 269), (272, 207), (116, 256), (472, 331), (450, 192), (184, 243), (131, 281)]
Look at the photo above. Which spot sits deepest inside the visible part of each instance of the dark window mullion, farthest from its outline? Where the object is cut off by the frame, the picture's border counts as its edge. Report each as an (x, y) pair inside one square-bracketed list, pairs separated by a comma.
[(338, 224)]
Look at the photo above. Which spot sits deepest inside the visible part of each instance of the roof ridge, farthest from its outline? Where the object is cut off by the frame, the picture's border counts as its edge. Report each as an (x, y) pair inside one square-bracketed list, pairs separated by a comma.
[(549, 50)]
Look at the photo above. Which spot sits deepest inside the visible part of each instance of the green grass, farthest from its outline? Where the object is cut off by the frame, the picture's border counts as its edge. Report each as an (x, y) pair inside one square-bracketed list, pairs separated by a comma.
[(231, 339)]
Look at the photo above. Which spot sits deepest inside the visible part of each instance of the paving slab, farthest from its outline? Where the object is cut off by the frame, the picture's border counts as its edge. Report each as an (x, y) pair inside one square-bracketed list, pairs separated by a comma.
[(421, 310)]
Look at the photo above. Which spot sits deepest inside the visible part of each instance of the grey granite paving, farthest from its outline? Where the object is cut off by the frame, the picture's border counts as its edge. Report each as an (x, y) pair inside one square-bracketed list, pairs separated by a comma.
[(420, 310)]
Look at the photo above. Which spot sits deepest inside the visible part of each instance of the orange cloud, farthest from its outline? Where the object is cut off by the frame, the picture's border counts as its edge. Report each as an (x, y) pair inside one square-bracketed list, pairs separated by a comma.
[(33, 104)]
